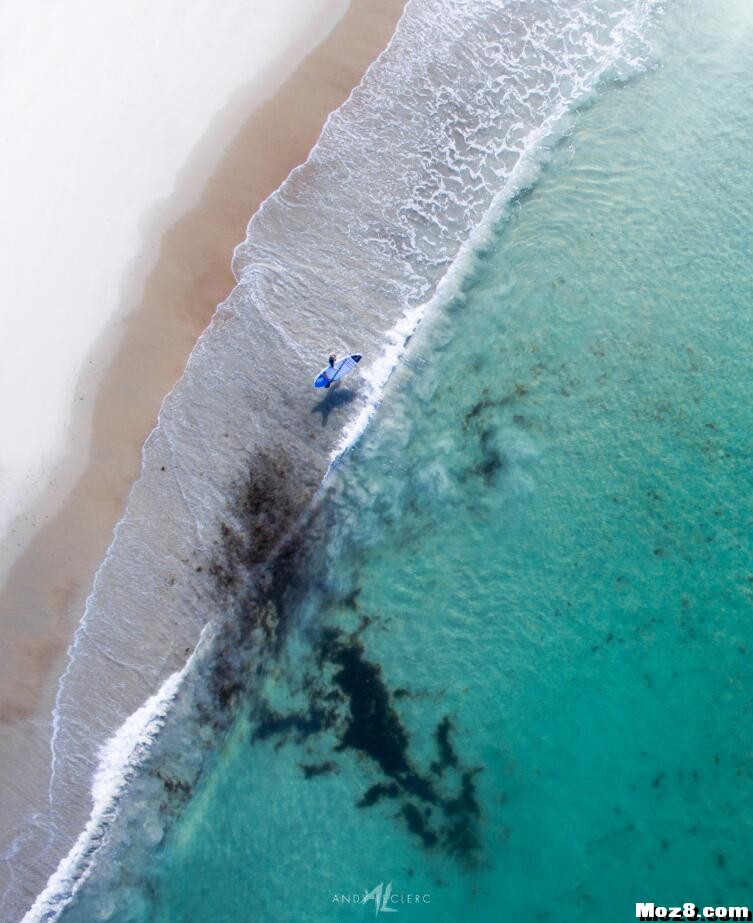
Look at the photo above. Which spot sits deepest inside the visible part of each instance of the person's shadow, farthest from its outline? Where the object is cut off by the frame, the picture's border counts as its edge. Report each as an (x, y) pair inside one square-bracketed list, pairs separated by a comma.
[(334, 398)]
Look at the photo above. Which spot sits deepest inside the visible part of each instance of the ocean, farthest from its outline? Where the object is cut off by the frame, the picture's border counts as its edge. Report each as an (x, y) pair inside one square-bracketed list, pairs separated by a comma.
[(498, 662)]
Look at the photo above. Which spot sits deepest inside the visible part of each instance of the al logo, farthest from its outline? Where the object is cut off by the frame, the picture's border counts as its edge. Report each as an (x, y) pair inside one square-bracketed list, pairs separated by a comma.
[(381, 897)]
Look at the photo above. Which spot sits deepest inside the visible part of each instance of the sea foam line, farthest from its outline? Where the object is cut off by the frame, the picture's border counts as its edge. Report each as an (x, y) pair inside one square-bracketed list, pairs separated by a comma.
[(522, 176)]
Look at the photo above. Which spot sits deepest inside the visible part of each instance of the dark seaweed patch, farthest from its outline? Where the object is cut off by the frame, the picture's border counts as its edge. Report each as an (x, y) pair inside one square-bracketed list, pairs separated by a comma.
[(298, 725), (492, 460), (377, 792), (228, 693), (447, 755), (350, 600), (312, 770), (487, 402), (173, 784), (461, 833), (264, 508), (365, 720), (373, 727), (262, 561), (258, 566), (417, 824)]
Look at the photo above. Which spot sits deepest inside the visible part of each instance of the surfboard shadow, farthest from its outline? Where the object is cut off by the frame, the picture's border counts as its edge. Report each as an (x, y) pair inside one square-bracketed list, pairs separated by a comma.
[(334, 398)]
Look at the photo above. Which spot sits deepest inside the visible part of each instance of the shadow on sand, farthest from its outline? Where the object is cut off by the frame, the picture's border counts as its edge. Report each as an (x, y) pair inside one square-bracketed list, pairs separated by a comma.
[(334, 397)]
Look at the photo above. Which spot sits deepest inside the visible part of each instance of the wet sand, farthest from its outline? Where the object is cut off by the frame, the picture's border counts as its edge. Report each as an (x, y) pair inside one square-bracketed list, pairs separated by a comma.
[(128, 375)]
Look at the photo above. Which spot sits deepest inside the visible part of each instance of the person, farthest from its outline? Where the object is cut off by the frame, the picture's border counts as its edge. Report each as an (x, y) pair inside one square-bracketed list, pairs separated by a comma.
[(332, 360)]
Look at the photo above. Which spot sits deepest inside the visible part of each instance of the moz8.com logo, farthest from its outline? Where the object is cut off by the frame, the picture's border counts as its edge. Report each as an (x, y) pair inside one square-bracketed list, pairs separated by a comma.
[(382, 898)]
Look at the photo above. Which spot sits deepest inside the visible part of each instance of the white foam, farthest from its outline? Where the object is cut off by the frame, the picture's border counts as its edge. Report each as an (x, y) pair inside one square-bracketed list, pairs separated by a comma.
[(119, 759), (524, 174)]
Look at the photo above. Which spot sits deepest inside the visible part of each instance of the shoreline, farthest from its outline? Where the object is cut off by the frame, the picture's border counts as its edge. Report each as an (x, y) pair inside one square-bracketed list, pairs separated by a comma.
[(52, 577)]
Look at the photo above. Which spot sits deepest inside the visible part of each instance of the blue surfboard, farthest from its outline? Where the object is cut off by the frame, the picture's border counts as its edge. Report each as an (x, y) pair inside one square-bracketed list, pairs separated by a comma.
[(337, 371)]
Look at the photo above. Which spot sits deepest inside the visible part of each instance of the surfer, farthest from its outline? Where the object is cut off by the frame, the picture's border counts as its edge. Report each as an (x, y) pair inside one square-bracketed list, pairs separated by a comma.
[(332, 360), (336, 369)]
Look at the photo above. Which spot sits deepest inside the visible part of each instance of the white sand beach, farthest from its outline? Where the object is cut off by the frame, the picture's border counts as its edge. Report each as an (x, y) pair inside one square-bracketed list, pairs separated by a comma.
[(103, 105), (139, 141)]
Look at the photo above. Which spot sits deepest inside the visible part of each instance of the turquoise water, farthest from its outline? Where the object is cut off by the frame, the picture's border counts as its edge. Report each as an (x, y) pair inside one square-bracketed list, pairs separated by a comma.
[(527, 652)]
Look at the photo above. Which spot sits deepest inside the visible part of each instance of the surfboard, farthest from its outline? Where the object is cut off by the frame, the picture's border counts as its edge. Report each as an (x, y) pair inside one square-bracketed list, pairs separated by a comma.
[(337, 371)]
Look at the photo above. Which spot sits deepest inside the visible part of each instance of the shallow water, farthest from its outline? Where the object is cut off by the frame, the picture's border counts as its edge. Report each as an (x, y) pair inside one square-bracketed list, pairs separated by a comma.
[(526, 648)]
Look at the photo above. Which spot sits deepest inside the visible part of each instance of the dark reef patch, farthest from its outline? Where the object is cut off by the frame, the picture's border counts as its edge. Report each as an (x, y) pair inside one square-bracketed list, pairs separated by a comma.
[(248, 583)]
